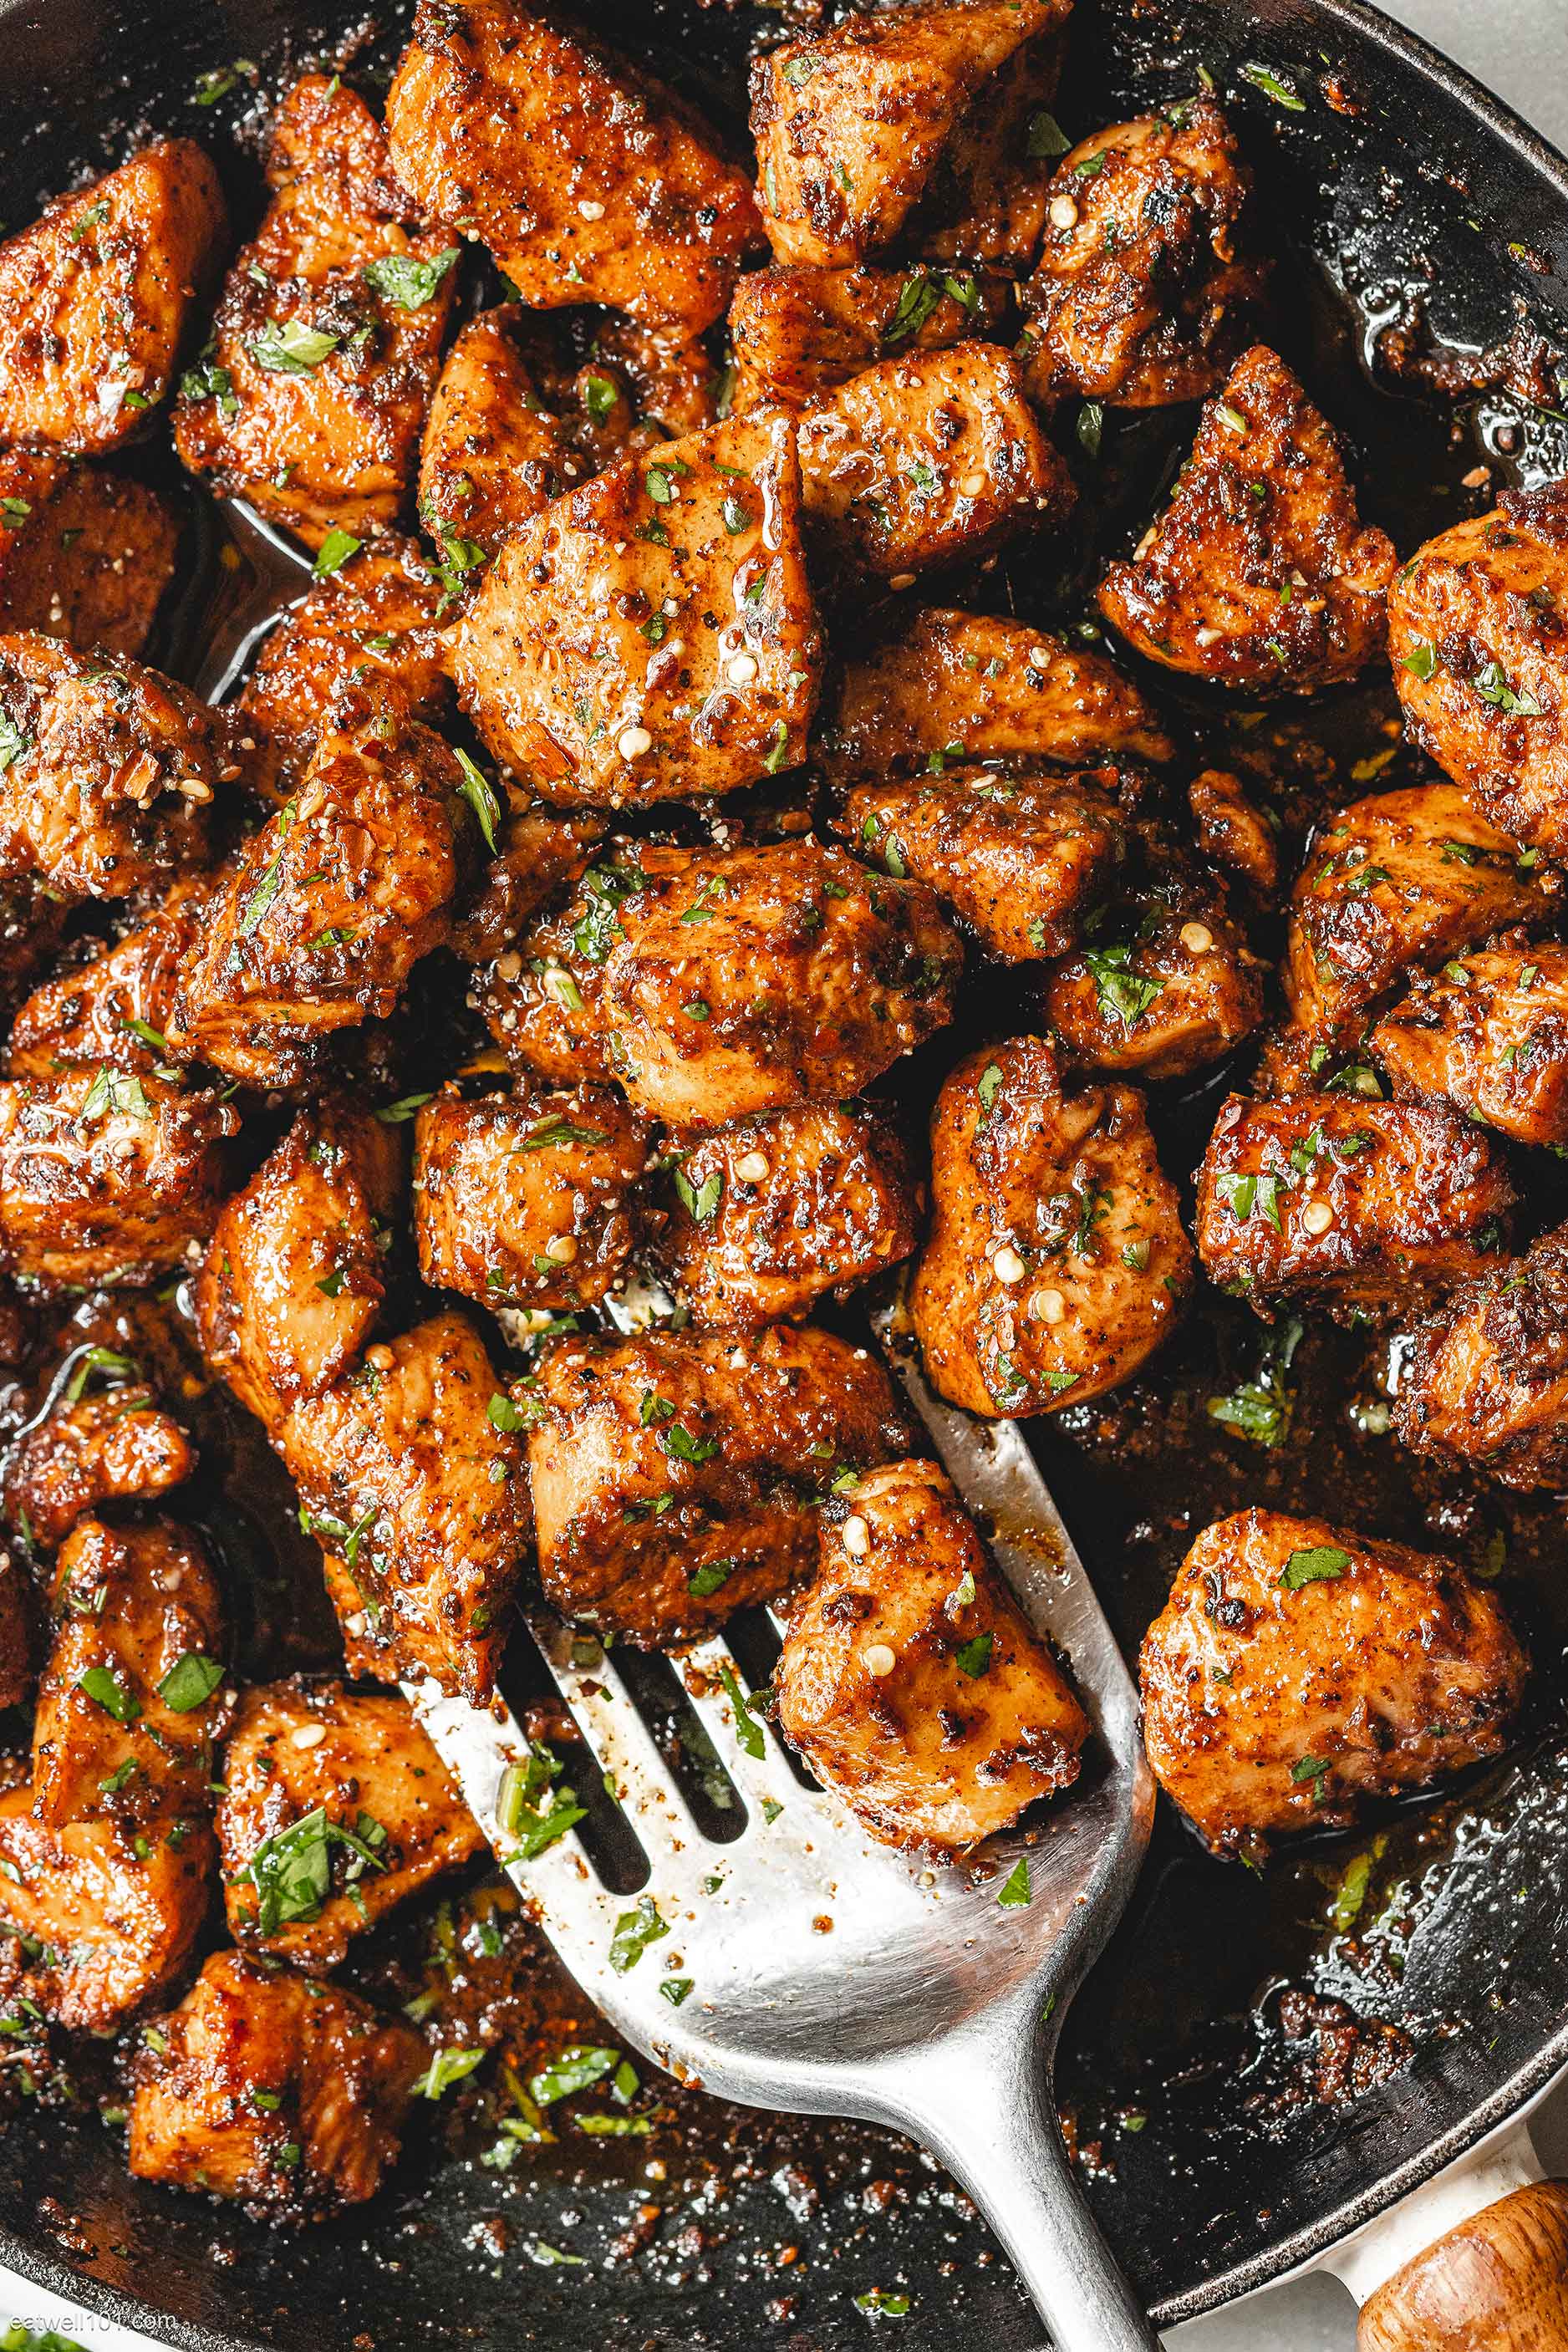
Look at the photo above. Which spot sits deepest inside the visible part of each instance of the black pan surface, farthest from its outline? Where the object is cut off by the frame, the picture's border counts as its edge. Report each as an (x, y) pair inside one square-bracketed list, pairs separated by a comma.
[(1400, 196)]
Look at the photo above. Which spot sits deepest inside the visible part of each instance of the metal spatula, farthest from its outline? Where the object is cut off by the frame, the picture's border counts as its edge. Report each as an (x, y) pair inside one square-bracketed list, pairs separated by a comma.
[(924, 2004)]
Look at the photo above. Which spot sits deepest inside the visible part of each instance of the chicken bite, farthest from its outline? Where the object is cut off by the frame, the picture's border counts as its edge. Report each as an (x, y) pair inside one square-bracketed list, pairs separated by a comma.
[(418, 1486), (1056, 1262), (334, 1809), (542, 852), (1400, 880), (773, 1213), (114, 1445), (1361, 1206), (970, 686), (106, 1177), (275, 2089), (17, 1641), (911, 1680), (1020, 858), (108, 773), (96, 296), (1168, 986), (1488, 1034), (1234, 833), (1142, 289), (852, 124), (1259, 572), (528, 1199), (929, 459), (293, 1279), (310, 397), (652, 635), (84, 554), (674, 1475), (798, 334), (112, 1009), (1298, 1669), (1486, 1381), (1480, 647), (495, 453)]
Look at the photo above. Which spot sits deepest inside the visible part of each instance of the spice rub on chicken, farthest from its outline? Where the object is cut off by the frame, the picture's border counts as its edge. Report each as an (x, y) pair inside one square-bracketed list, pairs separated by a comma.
[(1487, 1032), (1164, 984), (1486, 1383), (1298, 1669), (86, 553), (798, 333)]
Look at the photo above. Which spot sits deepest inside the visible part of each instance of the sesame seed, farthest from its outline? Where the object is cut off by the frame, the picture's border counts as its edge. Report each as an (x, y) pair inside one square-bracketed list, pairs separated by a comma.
[(508, 966), (380, 1358), (1038, 656), (633, 742), (1206, 636), (355, 1626), (855, 1537), (1197, 938), (590, 210), (562, 1248), (1145, 543), (740, 669), (307, 1735), (752, 1166), (1063, 212), (1007, 1265), (877, 1659), (1048, 1306), (973, 485), (1317, 1217)]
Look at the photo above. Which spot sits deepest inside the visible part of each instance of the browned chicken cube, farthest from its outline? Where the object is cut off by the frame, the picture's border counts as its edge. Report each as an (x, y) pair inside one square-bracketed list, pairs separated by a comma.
[(587, 181), (1168, 986), (1019, 858), (107, 775), (410, 1470), (106, 1177), (32, 925), (1237, 835), (773, 1213), (95, 298), (114, 1009), (652, 635), (1488, 1034), (310, 398), (1056, 1262), (84, 554), (277, 2090), (1143, 289), (851, 124), (114, 1445), (912, 1681), (542, 852), (967, 685), (495, 454), (929, 459), (798, 334), (1299, 1668), (334, 1809), (776, 976), (368, 630), (1486, 1381), (1259, 572), (18, 1639), (321, 916), (1480, 649), (1362, 1206), (131, 1697), (89, 1929), (1404, 879), (674, 1475), (293, 1279)]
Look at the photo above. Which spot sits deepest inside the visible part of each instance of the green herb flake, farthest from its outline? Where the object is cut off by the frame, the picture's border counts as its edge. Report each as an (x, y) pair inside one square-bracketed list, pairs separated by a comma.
[(108, 1692), (635, 1931), (974, 1658), (1015, 1891), (480, 793), (674, 1990), (293, 348), (405, 281), (335, 550), (190, 1682), (446, 2067), (748, 1731), (1270, 83), (1320, 1563)]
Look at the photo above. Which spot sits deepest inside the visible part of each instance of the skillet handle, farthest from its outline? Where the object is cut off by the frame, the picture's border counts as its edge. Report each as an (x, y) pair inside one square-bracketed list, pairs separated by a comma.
[(1498, 2282)]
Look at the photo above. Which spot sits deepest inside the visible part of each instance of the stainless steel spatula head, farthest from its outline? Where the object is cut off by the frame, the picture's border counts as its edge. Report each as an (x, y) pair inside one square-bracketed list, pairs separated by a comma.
[(801, 1965)]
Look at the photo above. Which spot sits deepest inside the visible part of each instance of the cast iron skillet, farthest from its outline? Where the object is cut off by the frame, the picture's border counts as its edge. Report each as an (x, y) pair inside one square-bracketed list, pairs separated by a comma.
[(1394, 186)]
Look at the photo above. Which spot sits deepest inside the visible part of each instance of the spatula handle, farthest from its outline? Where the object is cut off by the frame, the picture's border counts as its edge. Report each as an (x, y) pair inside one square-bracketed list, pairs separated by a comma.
[(1499, 2282)]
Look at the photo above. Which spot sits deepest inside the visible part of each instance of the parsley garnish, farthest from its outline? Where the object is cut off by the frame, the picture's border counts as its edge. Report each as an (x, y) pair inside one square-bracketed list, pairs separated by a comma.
[(407, 282)]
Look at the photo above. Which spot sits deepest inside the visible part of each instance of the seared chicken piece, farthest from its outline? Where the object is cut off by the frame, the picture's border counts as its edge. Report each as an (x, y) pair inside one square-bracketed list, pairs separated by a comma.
[(106, 1177), (1480, 647), (334, 1809), (1486, 1381), (1019, 858), (84, 554), (95, 297), (775, 1213), (32, 924), (111, 1446), (1259, 572), (966, 686), (131, 1697), (1237, 835), (293, 1279), (798, 334), (909, 1679), (418, 1486), (929, 459), (528, 1199), (652, 635), (114, 1009), (18, 1643), (1297, 1669), (1361, 1205), (108, 772), (1489, 1034), (1404, 879), (543, 852), (276, 2089), (1168, 986), (322, 915), (495, 454), (851, 124), (1056, 1262), (366, 630), (310, 397), (1141, 292), (674, 1475)]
